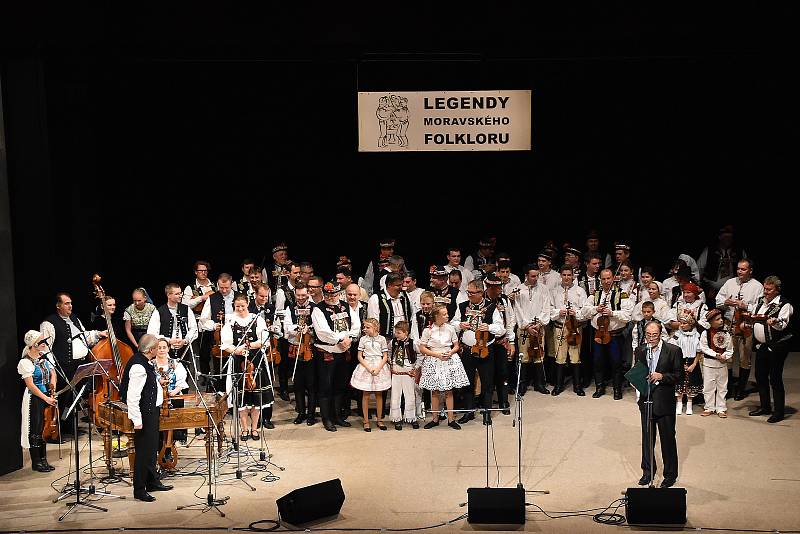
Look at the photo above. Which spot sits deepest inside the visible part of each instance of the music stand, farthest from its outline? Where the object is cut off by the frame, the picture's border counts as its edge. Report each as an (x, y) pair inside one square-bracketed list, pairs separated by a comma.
[(97, 367)]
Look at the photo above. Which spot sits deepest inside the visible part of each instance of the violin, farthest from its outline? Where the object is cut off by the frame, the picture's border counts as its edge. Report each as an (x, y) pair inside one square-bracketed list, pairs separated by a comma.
[(534, 343), (167, 461), (249, 370), (303, 346), (601, 334), (481, 347), (741, 325), (215, 347), (573, 330), (51, 430)]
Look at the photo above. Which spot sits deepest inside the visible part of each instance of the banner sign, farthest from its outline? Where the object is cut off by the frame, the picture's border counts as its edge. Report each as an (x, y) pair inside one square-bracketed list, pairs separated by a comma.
[(397, 121)]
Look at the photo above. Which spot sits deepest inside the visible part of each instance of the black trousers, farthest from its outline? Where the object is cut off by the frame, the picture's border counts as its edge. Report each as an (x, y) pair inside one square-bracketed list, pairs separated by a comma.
[(501, 373), (305, 385), (145, 442), (666, 434), (769, 374), (332, 377), (202, 347), (485, 368)]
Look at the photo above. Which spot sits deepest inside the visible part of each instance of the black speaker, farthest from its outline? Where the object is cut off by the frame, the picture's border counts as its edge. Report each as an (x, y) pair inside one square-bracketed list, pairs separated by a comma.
[(312, 502), (656, 506), (496, 506)]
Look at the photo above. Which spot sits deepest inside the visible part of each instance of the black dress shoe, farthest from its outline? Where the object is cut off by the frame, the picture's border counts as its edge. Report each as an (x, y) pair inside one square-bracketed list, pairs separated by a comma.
[(342, 422), (599, 392), (311, 421), (617, 393), (739, 396), (299, 419), (415, 425), (430, 424), (760, 411), (398, 426), (580, 393), (159, 487), (775, 418), (146, 497), (268, 425), (645, 480), (454, 425), (667, 483), (329, 426), (467, 417)]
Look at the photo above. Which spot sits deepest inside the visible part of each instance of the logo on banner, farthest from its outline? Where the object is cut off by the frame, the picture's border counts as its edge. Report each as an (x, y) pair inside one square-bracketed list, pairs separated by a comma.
[(392, 114)]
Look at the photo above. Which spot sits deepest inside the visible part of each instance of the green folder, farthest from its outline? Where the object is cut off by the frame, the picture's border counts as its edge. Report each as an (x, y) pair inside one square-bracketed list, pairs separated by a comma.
[(637, 376)]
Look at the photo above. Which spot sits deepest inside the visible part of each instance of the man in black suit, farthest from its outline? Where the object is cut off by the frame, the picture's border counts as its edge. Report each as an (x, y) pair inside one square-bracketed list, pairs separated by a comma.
[(665, 363)]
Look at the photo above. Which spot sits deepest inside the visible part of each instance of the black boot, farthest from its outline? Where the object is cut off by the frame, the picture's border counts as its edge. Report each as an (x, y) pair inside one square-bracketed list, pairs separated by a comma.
[(538, 379), (778, 411), (618, 384), (559, 387), (43, 451), (338, 402), (325, 411), (577, 386), (741, 385), (266, 418), (36, 455)]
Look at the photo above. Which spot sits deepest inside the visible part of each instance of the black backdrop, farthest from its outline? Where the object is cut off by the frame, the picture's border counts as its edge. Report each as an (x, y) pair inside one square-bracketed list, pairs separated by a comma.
[(149, 140)]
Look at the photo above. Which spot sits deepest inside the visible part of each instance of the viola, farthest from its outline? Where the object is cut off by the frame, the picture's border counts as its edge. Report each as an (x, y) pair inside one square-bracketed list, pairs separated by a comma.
[(167, 461)]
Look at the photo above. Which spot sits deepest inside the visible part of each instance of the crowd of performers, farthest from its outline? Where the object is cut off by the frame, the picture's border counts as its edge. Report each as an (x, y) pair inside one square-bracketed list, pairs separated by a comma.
[(570, 316)]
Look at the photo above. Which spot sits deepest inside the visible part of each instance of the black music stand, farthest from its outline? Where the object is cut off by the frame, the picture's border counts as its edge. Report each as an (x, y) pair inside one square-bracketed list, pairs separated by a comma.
[(97, 367)]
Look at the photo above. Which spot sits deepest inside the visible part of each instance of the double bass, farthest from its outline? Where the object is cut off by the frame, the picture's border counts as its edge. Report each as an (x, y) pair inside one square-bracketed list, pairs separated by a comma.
[(109, 348)]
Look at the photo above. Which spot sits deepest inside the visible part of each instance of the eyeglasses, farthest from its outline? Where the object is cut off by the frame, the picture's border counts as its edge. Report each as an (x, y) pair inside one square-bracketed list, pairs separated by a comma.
[(201, 271), (652, 334), (313, 287), (474, 292)]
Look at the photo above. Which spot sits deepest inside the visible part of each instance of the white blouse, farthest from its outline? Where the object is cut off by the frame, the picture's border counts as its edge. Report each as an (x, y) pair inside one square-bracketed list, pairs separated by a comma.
[(439, 338)]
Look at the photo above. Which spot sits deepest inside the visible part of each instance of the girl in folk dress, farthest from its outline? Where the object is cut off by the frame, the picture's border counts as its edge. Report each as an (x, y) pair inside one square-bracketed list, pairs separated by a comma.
[(40, 378), (687, 338), (442, 370), (372, 375)]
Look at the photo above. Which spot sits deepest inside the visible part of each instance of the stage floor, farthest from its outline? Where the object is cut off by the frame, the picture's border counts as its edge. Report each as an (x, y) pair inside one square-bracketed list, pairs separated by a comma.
[(739, 473)]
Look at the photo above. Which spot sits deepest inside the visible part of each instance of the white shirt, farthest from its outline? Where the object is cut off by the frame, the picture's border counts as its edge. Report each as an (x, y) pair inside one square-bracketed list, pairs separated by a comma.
[(712, 359), (751, 291), (414, 298), (576, 297), (618, 318), (512, 283), (280, 297), (154, 326), (683, 308), (136, 380), (551, 279), (188, 295), (660, 305), (327, 337), (783, 319), (79, 349), (439, 338), (290, 328), (532, 302), (180, 376), (207, 322), (496, 327), (226, 334), (373, 308)]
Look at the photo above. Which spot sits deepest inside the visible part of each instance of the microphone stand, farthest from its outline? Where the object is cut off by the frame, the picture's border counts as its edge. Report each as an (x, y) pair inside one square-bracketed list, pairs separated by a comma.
[(235, 390), (263, 456), (211, 502), (91, 490), (649, 415)]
